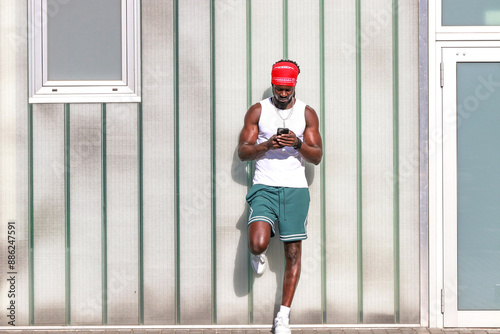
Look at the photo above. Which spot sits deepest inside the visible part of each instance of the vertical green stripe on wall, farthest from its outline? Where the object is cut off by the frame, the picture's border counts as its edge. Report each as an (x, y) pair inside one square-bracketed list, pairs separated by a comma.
[(31, 276), (395, 134), (140, 215), (285, 29), (249, 164), (249, 77), (176, 161), (141, 196), (104, 217), (213, 157), (67, 211), (249, 52), (323, 173), (359, 162), (31, 265)]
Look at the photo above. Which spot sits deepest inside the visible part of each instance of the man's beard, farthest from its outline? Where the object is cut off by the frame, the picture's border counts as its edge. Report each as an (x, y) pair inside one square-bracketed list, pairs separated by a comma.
[(282, 104)]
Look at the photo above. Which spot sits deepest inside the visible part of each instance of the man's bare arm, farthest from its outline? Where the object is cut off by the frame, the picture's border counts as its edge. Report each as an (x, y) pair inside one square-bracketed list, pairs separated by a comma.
[(312, 146), (247, 150)]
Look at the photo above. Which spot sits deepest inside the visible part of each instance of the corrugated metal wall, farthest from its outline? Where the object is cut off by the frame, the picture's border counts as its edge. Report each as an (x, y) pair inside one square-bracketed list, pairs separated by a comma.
[(135, 213)]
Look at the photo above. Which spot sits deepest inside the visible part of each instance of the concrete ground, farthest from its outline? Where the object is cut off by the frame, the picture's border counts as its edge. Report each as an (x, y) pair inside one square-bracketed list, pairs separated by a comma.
[(295, 330)]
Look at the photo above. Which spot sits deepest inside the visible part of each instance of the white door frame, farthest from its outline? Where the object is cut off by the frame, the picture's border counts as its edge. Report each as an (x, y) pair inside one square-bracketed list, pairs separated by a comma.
[(452, 317)]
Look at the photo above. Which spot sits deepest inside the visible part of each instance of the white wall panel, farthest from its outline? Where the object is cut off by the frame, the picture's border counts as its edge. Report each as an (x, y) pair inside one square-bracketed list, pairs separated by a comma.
[(85, 218), (49, 215), (409, 162), (158, 165), (340, 146), (231, 177), (122, 214), (194, 155), (377, 161), (14, 150), (304, 48)]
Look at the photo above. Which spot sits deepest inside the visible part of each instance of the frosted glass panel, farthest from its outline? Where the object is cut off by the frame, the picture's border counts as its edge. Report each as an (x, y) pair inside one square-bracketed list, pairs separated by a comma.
[(14, 153), (122, 212), (471, 12), (48, 215), (409, 292), (231, 176), (84, 40), (194, 175), (85, 216), (478, 166), (158, 165), (377, 196), (340, 163)]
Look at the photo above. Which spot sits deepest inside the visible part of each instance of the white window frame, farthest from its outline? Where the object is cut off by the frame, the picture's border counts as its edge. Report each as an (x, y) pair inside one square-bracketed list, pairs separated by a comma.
[(42, 90), (462, 32)]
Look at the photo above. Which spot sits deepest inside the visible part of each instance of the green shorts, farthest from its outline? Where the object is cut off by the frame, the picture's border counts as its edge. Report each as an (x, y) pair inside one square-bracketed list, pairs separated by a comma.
[(286, 206)]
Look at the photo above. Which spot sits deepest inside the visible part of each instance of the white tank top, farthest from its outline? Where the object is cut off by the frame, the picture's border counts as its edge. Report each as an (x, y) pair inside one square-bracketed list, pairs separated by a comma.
[(282, 167)]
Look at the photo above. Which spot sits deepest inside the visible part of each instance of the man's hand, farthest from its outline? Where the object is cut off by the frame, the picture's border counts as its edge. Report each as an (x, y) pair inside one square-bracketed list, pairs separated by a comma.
[(287, 139)]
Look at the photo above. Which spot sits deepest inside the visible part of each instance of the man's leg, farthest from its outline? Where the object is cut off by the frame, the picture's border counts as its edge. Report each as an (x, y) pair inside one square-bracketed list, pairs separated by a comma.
[(259, 235), (293, 253)]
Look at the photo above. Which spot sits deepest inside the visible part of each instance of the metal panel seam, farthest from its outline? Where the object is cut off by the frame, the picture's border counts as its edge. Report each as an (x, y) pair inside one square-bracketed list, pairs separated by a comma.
[(141, 191), (31, 243), (213, 162), (176, 160), (140, 214), (395, 176), (104, 218), (285, 29), (359, 163), (249, 164), (323, 167), (67, 211), (31, 284)]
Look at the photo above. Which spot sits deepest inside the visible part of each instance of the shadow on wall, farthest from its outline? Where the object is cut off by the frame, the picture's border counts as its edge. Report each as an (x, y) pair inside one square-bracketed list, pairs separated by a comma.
[(243, 277), (240, 276)]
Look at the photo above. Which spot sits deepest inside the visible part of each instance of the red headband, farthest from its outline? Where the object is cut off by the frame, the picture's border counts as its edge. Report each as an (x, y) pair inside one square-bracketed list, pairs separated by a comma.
[(284, 74)]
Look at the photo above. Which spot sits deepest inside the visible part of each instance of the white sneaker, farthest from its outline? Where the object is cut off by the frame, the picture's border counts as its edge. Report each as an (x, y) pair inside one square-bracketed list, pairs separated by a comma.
[(282, 325), (259, 263)]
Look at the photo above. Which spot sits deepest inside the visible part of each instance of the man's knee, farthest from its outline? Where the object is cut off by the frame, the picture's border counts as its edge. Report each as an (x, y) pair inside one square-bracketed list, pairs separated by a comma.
[(259, 235), (293, 253), (258, 243)]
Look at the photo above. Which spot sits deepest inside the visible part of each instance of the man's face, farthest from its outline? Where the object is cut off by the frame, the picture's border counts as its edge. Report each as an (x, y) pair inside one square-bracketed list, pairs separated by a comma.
[(283, 95)]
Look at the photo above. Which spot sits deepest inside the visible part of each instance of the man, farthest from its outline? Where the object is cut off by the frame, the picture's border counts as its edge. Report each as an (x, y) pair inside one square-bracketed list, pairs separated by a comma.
[(280, 191)]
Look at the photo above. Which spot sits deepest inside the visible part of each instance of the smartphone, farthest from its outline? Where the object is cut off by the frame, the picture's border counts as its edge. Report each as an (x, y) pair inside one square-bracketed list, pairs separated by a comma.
[(282, 131)]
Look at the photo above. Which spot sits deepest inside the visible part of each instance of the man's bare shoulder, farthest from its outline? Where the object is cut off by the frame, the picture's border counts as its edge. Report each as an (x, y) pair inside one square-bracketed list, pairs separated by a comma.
[(253, 113), (310, 109), (255, 106)]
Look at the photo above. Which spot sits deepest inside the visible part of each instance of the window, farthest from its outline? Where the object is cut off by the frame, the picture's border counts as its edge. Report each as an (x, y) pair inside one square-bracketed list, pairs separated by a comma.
[(471, 13), (84, 51)]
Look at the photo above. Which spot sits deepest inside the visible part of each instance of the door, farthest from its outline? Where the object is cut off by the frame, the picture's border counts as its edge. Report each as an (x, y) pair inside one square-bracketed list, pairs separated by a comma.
[(471, 186)]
